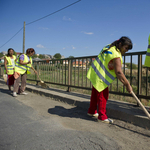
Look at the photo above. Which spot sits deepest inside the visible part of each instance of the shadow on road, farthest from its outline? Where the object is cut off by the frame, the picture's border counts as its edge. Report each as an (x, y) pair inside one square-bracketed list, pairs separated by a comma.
[(75, 112), (6, 91)]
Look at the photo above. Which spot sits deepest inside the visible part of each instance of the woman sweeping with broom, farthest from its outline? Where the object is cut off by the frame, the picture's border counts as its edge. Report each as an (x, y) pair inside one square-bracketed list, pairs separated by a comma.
[(103, 71), (22, 68)]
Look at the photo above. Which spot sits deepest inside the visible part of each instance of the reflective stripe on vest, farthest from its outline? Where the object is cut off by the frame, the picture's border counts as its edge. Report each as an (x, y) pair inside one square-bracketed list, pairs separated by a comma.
[(147, 54), (148, 46), (99, 74), (20, 67), (105, 70), (9, 65), (23, 68)]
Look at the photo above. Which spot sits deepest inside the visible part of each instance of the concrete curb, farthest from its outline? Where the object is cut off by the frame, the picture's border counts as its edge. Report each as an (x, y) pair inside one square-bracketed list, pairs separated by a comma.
[(115, 109)]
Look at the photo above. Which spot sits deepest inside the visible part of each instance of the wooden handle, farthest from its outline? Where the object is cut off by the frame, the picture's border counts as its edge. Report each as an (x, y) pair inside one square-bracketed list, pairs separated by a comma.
[(37, 75), (146, 112)]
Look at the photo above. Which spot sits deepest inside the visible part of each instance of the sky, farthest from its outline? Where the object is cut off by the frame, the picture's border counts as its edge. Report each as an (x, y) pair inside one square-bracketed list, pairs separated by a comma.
[(82, 29)]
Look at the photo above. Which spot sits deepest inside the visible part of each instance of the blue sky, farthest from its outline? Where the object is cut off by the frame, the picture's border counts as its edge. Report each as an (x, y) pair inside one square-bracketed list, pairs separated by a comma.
[(80, 30)]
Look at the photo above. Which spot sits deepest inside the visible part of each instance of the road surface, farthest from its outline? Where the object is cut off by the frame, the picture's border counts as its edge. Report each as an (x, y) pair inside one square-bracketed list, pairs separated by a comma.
[(34, 122)]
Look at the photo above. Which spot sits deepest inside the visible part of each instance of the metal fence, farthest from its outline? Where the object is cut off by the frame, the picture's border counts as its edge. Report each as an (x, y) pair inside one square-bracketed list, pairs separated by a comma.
[(71, 72)]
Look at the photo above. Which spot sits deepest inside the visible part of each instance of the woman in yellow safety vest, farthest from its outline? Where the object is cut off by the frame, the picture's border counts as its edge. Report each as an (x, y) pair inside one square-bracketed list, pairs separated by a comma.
[(9, 62), (104, 69), (22, 68)]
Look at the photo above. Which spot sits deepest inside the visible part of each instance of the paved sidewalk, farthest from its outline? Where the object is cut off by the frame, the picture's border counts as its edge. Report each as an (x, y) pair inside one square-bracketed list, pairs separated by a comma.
[(115, 109)]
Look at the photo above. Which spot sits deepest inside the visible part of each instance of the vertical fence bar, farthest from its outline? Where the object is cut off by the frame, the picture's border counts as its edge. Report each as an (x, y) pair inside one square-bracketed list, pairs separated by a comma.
[(52, 71), (82, 72), (69, 68), (59, 69), (86, 72), (78, 71), (57, 72), (65, 72), (139, 74), (131, 78), (146, 81), (117, 84), (75, 73), (124, 72), (38, 72), (62, 71), (71, 72)]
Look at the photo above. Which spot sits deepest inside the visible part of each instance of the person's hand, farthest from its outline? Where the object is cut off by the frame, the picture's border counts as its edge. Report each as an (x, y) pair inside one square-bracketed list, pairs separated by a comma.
[(29, 62), (129, 88), (7, 71)]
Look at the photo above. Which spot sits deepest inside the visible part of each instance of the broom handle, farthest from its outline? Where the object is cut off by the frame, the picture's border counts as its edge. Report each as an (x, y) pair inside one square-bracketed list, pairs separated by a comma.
[(37, 74), (146, 112)]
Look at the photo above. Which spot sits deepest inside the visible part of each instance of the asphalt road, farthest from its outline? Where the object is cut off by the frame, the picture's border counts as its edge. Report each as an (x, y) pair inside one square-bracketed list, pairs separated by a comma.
[(34, 122)]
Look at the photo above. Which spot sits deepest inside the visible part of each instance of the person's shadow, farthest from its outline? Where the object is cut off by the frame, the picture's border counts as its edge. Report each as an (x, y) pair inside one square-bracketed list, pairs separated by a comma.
[(6, 91), (75, 112)]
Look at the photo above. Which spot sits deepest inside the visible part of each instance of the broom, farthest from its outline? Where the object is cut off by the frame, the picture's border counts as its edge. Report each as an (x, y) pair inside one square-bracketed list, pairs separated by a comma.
[(41, 82), (146, 112)]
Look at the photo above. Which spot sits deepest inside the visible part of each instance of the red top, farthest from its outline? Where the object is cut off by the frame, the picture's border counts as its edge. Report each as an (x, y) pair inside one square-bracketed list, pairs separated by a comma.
[(111, 64)]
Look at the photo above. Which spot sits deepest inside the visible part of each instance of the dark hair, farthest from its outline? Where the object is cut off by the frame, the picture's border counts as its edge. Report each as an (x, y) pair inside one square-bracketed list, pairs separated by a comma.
[(8, 51), (123, 40), (30, 50)]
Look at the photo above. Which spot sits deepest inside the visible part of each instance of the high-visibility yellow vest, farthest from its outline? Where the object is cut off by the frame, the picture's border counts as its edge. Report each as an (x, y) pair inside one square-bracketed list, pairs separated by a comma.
[(9, 65), (23, 68), (147, 58), (99, 74)]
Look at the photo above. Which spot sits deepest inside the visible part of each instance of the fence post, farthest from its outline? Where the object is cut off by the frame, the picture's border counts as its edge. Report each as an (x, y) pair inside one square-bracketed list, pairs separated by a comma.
[(37, 69), (69, 73), (139, 89)]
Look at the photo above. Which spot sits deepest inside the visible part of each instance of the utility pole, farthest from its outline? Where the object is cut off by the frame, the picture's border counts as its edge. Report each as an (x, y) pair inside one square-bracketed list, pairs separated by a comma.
[(24, 38)]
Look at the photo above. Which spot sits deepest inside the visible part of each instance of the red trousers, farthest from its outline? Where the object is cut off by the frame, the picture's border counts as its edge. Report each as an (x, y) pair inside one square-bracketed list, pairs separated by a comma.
[(99, 99)]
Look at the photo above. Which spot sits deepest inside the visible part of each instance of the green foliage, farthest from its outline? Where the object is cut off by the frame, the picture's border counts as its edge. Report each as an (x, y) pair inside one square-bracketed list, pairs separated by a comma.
[(34, 56), (71, 57), (134, 66), (1, 55), (41, 56), (57, 56)]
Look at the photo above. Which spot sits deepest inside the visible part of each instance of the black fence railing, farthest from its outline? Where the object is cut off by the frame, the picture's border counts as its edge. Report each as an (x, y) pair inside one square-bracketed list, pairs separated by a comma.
[(71, 72)]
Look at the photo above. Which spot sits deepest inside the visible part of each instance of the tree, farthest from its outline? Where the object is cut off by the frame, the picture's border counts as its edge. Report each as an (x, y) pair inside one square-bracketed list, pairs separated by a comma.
[(57, 56), (134, 66), (1, 55), (71, 57), (34, 56), (41, 56)]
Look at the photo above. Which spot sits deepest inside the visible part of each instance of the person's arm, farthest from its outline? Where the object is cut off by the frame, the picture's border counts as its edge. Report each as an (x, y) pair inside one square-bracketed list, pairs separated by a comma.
[(120, 75), (24, 63), (5, 64), (21, 59)]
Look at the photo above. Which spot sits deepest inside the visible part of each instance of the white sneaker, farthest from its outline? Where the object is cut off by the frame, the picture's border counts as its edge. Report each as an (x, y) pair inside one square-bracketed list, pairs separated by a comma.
[(106, 120), (93, 115), (23, 93), (15, 94)]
